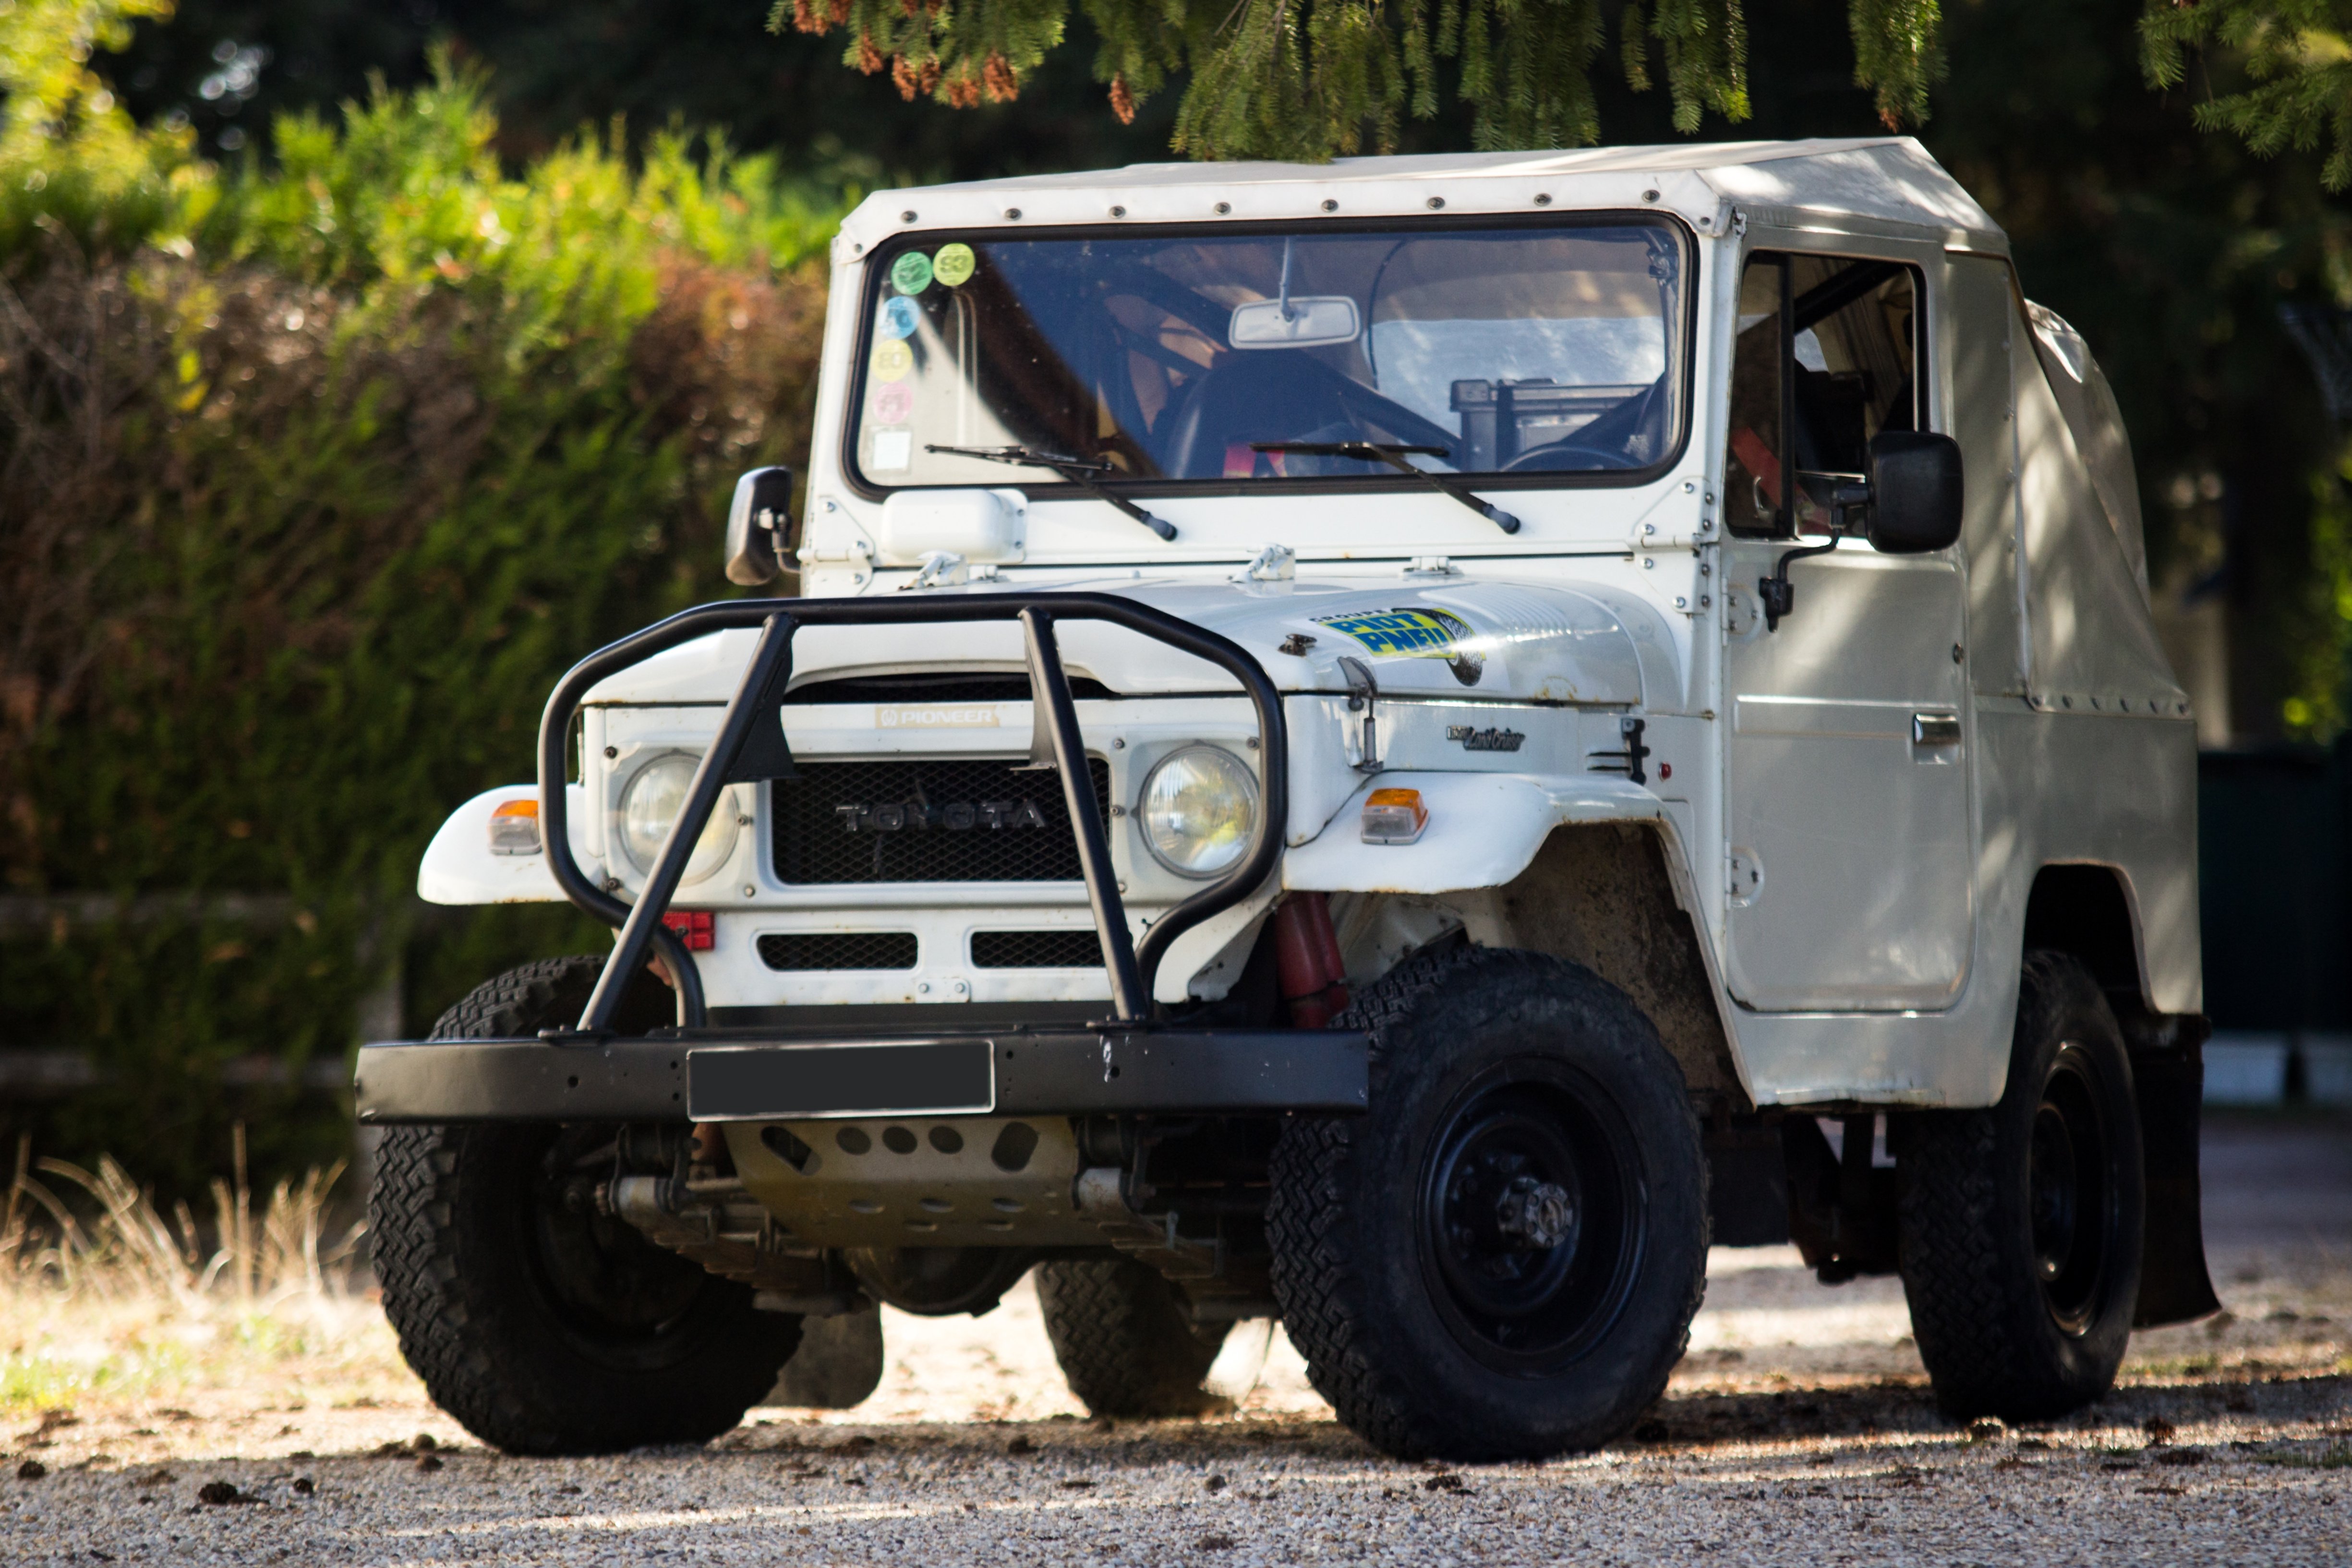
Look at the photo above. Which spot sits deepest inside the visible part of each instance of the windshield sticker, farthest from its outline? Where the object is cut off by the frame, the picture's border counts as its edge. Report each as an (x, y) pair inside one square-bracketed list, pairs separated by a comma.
[(912, 272), (893, 449), (1414, 634), (892, 360), (893, 404), (953, 264), (898, 318)]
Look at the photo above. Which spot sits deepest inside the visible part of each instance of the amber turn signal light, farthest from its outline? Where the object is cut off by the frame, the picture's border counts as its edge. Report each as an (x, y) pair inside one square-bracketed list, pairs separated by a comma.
[(1394, 817), (514, 828)]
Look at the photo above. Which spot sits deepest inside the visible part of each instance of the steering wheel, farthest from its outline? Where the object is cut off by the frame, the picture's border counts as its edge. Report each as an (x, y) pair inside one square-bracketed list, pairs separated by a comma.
[(1550, 456)]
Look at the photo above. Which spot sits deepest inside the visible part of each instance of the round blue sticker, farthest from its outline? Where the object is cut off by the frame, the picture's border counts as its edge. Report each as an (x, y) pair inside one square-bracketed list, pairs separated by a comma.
[(899, 316)]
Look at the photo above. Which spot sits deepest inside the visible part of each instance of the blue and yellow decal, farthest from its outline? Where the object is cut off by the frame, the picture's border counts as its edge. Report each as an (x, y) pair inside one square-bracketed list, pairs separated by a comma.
[(1413, 634)]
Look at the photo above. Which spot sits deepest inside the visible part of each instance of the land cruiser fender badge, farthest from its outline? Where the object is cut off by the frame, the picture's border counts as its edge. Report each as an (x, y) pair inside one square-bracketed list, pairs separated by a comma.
[(1414, 634), (1475, 739)]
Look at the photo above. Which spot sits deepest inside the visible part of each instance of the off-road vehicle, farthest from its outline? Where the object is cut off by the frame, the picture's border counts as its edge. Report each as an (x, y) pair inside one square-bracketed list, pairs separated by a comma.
[(1392, 745)]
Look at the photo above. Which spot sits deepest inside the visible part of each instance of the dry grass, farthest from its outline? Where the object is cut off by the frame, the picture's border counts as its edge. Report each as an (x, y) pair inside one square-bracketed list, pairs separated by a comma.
[(103, 1297)]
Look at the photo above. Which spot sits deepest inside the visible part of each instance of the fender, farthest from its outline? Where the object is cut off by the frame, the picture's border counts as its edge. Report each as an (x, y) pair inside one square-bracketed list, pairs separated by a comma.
[(1484, 830), (458, 868)]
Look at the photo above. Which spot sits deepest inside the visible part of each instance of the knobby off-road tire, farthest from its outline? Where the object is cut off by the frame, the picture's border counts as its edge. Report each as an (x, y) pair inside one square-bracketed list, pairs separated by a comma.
[(2021, 1223), (1123, 1338), (542, 1327), (1502, 1258)]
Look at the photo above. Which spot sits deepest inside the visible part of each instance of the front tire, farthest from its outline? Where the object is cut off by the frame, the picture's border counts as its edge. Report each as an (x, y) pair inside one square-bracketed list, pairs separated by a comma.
[(542, 1326), (1124, 1341), (1502, 1258), (2022, 1223)]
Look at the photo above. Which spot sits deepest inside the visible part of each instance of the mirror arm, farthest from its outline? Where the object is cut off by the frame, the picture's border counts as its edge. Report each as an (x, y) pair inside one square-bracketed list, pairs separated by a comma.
[(1849, 504), (1779, 595), (777, 526)]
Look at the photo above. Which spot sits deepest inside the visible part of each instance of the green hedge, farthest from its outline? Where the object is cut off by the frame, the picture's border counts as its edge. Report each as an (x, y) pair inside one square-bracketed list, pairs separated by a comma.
[(319, 472)]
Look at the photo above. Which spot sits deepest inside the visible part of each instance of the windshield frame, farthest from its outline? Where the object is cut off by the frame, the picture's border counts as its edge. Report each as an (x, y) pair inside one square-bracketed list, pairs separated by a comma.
[(1038, 484)]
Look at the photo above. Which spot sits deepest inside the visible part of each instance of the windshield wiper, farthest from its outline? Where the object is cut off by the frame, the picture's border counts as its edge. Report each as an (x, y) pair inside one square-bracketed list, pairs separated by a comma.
[(1079, 471), (1394, 457)]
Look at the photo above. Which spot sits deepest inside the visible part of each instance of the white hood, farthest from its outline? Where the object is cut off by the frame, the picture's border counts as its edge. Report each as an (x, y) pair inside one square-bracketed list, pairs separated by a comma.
[(1439, 637)]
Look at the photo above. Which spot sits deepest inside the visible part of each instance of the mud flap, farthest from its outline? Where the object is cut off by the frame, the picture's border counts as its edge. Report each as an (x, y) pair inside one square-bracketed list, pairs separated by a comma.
[(1747, 1184), (2173, 1284)]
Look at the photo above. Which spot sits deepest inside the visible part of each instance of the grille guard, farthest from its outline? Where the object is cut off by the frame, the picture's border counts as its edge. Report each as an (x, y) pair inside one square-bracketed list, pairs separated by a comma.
[(744, 752)]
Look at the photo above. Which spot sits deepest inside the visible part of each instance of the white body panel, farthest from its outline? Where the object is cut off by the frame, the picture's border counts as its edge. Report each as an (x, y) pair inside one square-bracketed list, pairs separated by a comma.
[(1859, 894), (1826, 784)]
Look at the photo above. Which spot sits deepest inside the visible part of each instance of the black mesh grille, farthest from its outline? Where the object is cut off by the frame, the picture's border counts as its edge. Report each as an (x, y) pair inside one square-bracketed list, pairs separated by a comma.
[(923, 819), (1036, 950), (838, 950)]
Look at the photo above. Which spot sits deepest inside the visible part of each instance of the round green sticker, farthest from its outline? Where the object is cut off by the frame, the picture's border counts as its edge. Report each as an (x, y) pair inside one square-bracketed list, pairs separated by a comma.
[(953, 264), (912, 272)]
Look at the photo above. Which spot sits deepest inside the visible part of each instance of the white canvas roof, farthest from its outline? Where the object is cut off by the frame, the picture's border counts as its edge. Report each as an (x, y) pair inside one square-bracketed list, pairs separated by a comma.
[(1864, 182)]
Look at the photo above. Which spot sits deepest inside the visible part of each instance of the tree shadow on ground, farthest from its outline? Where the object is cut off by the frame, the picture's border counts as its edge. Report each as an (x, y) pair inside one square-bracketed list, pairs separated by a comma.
[(1692, 1422)]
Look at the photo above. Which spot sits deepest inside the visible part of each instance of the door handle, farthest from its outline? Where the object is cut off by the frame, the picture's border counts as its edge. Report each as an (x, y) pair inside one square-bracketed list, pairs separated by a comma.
[(1934, 729)]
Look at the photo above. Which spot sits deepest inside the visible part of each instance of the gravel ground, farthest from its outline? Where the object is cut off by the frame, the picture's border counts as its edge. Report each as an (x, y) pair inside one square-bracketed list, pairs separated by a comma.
[(1800, 1425)]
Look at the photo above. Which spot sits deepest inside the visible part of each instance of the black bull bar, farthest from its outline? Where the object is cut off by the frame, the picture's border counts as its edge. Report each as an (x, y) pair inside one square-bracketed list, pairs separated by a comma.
[(1129, 1063)]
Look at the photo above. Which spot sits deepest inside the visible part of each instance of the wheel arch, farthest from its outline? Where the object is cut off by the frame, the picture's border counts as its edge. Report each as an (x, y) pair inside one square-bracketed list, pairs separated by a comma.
[(2086, 909), (1614, 896)]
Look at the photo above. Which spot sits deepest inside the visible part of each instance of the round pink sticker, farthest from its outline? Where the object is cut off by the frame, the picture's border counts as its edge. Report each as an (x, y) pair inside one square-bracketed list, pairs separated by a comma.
[(893, 402)]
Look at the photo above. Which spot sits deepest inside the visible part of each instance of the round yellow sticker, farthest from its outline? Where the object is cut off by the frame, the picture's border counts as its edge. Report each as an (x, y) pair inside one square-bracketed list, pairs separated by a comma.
[(892, 360), (953, 264)]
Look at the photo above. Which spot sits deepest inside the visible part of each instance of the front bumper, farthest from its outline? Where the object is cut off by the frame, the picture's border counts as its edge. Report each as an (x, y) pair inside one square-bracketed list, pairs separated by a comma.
[(730, 1075)]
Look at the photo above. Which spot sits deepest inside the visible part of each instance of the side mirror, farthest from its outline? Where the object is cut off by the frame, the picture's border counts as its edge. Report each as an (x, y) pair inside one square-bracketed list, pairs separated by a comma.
[(758, 520), (1915, 492)]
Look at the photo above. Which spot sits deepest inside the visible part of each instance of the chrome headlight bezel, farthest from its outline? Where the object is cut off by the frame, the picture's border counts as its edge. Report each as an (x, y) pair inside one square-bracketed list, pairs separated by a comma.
[(640, 843), (1152, 814)]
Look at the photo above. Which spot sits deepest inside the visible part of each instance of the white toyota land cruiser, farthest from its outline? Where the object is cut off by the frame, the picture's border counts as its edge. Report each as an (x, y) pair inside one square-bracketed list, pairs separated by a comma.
[(1391, 745)]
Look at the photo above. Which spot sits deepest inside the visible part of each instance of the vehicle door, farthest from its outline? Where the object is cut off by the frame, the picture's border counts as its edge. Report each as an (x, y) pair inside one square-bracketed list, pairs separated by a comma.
[(1851, 862)]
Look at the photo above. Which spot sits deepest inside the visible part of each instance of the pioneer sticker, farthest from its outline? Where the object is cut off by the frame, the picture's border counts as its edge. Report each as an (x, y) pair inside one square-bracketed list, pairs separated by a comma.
[(1414, 634), (936, 715)]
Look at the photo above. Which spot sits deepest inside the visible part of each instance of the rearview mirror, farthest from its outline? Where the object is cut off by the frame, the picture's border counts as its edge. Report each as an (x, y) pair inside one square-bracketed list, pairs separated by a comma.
[(758, 522), (1915, 492), (1300, 321)]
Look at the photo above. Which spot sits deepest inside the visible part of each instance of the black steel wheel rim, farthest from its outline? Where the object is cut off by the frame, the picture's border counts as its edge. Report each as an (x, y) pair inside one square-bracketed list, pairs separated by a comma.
[(614, 1298), (1532, 1215), (2072, 1192)]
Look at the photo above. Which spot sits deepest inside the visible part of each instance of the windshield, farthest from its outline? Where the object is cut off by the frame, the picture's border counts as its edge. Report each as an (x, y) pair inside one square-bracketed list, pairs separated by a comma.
[(1523, 350)]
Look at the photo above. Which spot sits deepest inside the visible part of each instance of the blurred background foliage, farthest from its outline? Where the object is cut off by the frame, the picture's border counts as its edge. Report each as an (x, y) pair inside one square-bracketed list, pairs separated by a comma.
[(320, 467), (361, 364)]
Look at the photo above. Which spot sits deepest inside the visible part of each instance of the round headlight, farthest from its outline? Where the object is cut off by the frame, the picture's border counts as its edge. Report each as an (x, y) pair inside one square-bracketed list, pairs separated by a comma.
[(1199, 811), (650, 804)]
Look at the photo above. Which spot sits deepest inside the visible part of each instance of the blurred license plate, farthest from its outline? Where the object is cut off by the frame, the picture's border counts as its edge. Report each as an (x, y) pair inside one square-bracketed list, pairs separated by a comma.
[(910, 1078)]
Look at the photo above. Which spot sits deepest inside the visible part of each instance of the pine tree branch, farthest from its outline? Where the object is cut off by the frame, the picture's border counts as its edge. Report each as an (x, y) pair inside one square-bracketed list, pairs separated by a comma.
[(2297, 55), (1313, 79), (1898, 50)]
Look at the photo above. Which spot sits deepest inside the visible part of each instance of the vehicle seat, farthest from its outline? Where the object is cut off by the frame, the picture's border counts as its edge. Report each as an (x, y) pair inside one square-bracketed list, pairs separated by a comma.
[(1261, 395)]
